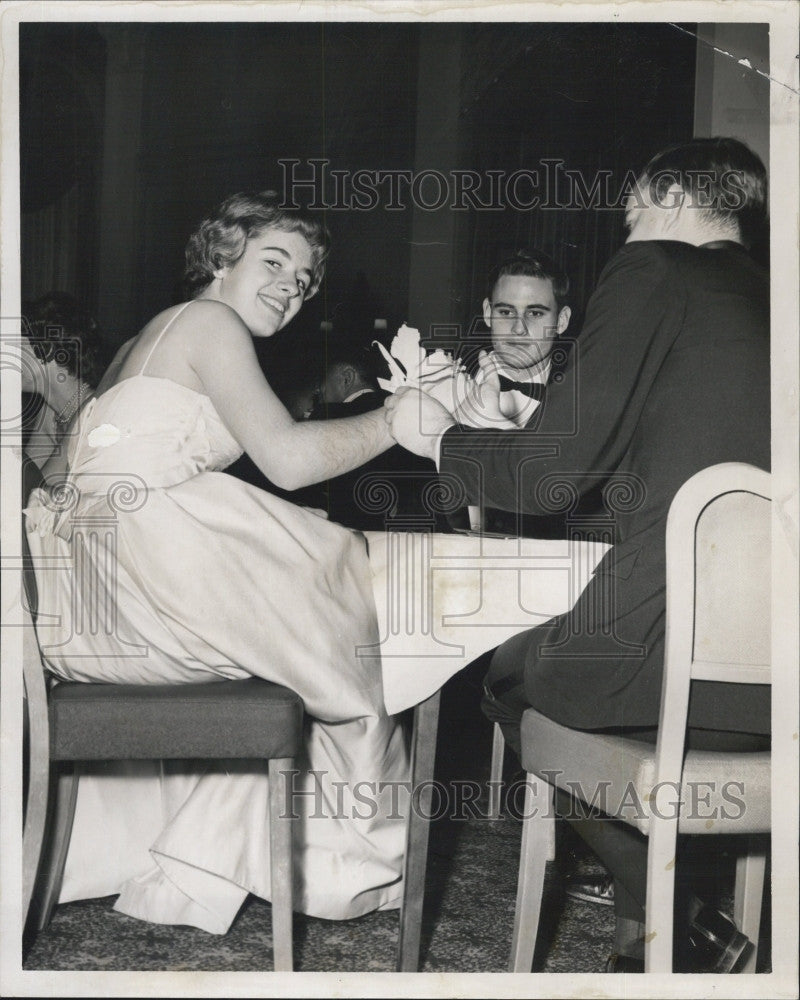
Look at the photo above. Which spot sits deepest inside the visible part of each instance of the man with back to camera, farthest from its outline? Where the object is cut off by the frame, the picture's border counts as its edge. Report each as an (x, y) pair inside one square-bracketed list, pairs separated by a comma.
[(674, 377)]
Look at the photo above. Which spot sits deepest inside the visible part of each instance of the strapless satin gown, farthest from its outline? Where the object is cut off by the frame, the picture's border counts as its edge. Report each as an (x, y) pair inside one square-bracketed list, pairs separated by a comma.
[(154, 566)]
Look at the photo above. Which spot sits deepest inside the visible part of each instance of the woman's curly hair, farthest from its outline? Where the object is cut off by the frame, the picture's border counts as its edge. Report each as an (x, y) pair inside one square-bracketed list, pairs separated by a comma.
[(60, 329), (220, 239)]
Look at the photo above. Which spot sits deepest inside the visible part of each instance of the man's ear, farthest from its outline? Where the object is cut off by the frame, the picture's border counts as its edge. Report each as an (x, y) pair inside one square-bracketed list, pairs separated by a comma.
[(487, 312), (563, 320), (348, 377), (675, 204)]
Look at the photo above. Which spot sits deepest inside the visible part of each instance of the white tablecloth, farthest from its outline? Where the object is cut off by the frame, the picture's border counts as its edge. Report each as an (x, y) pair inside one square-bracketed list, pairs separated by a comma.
[(444, 599)]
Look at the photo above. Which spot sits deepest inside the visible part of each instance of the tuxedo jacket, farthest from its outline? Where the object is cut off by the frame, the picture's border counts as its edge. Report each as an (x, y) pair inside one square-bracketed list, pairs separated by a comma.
[(569, 520), (670, 375)]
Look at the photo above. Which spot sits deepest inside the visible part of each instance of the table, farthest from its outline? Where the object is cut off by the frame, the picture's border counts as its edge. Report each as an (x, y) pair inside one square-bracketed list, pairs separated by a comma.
[(442, 601)]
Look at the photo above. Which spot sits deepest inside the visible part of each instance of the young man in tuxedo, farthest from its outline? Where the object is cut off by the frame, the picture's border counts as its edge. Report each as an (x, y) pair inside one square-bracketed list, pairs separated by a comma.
[(525, 310), (674, 373)]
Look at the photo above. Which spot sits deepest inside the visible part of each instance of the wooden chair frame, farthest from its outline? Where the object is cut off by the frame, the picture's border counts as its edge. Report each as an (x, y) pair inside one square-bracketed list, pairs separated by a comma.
[(682, 665)]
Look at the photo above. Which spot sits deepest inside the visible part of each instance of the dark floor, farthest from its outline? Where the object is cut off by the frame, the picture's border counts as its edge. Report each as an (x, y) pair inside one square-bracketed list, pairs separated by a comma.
[(469, 911), (467, 926)]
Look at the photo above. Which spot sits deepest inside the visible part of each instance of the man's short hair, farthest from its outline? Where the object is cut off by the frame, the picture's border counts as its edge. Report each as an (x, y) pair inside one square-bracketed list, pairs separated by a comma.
[(532, 264), (221, 238), (363, 358), (721, 176)]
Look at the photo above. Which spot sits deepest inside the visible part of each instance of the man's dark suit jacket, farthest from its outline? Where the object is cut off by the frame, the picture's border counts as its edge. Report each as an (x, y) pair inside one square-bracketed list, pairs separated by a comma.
[(670, 375)]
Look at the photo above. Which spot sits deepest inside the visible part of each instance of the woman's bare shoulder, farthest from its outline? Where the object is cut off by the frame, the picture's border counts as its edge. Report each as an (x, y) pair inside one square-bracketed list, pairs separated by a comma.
[(201, 319)]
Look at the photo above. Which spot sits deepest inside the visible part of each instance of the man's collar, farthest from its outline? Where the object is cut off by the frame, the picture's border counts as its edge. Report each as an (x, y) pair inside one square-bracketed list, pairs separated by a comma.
[(721, 245), (356, 394)]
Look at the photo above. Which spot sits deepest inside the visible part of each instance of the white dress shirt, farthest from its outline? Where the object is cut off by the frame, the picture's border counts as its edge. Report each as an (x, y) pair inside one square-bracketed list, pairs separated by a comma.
[(516, 405)]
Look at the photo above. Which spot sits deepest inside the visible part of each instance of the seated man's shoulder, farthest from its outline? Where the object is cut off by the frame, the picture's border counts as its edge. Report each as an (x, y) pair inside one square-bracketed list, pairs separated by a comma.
[(668, 254), (640, 267), (648, 253)]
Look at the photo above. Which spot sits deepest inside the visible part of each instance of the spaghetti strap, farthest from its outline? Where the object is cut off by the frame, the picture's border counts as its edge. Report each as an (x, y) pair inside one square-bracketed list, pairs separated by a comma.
[(158, 338)]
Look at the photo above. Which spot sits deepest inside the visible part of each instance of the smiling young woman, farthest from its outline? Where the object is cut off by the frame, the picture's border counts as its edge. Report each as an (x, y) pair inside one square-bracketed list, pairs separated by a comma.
[(218, 579)]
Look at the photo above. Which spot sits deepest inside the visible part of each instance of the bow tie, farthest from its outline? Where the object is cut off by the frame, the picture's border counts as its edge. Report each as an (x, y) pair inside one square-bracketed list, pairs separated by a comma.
[(533, 389)]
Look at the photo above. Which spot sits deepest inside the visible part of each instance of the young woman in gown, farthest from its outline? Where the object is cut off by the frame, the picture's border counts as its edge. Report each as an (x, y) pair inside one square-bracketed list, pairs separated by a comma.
[(202, 577)]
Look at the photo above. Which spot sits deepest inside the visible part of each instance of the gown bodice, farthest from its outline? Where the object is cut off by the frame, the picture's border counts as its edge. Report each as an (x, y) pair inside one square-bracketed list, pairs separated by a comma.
[(152, 428)]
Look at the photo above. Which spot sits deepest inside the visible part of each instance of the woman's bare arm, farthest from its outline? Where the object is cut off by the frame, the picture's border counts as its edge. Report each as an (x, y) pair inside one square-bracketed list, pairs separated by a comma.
[(220, 352)]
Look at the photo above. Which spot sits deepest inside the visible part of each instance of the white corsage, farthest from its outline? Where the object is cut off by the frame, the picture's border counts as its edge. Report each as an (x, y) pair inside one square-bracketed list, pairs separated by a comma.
[(438, 374), (103, 436)]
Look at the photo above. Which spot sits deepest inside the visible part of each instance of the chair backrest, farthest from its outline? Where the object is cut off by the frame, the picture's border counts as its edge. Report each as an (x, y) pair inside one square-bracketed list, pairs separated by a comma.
[(31, 478), (32, 669), (36, 720), (718, 593), (718, 575), (732, 586)]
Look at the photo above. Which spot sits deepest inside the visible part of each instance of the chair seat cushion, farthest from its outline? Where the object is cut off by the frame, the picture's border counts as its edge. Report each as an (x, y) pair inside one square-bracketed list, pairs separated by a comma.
[(228, 719), (721, 792)]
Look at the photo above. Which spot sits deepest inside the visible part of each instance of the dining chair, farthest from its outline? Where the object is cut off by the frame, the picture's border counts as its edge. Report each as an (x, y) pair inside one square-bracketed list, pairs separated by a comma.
[(717, 629), (74, 723), (74, 711)]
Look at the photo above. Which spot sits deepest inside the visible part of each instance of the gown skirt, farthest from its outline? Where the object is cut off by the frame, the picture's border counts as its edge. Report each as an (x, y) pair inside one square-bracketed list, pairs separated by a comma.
[(154, 566)]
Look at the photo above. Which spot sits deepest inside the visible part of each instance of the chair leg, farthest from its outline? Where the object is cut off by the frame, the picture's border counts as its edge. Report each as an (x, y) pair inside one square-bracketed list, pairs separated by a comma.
[(496, 771), (423, 758), (281, 872), (660, 907), (748, 894), (33, 834), (66, 797), (538, 835), (36, 802)]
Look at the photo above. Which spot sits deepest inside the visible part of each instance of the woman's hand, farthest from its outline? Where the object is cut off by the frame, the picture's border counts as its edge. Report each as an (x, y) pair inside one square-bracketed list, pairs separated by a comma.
[(416, 421)]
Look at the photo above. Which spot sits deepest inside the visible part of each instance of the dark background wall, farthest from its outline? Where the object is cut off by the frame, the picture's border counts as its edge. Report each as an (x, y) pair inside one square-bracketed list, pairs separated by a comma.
[(597, 98), (131, 132)]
